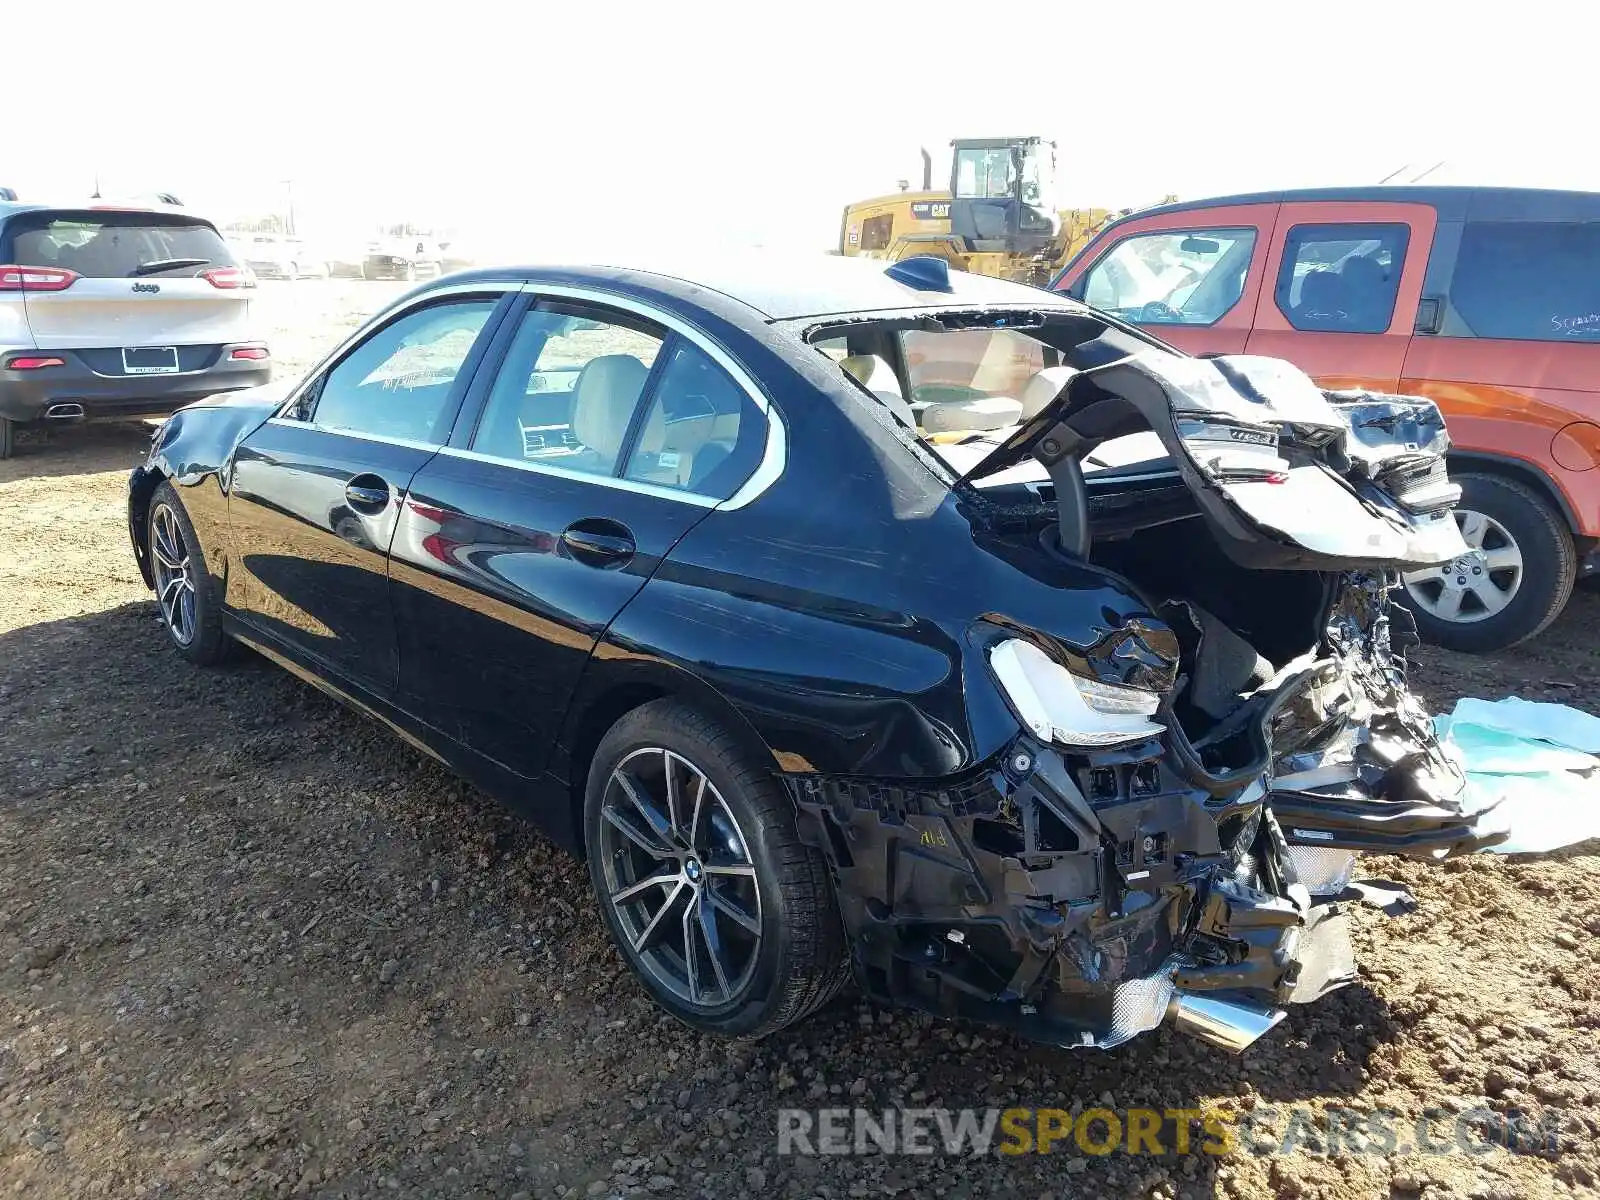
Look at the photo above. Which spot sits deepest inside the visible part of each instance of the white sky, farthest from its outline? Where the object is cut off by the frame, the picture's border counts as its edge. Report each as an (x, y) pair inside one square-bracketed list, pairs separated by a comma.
[(563, 127)]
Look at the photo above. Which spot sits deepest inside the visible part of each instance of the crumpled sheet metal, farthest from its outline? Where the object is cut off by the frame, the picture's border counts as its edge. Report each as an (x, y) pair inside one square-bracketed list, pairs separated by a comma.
[(1536, 761)]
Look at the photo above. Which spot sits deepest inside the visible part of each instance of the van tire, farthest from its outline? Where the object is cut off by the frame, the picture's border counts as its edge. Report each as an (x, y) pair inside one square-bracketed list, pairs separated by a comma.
[(8, 437), (1549, 567)]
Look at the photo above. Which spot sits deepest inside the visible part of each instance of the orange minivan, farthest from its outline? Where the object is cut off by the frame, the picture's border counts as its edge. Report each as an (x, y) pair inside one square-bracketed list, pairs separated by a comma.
[(1487, 300)]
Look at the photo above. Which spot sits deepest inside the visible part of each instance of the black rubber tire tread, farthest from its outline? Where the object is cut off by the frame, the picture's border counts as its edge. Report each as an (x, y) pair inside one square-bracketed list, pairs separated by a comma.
[(210, 644), (813, 960), (1549, 568), (8, 437)]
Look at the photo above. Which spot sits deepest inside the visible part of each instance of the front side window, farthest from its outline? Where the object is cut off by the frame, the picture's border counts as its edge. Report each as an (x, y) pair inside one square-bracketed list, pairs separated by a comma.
[(399, 382), (967, 364), (701, 433), (1180, 278), (568, 389), (1532, 281), (985, 173), (1341, 278)]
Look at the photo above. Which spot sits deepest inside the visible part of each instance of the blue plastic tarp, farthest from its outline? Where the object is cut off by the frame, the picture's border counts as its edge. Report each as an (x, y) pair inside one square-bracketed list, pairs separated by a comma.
[(1534, 763)]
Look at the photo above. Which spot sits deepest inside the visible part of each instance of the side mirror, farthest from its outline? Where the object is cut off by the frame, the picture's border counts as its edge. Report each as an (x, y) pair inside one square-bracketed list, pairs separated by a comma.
[(1199, 245)]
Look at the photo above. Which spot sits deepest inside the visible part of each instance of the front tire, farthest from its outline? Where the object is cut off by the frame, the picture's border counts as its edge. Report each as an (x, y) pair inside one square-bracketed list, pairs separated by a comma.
[(188, 597), (1514, 580), (722, 912)]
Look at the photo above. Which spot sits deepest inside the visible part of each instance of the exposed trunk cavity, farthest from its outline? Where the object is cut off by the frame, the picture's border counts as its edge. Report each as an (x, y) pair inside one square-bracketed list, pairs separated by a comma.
[(1203, 874)]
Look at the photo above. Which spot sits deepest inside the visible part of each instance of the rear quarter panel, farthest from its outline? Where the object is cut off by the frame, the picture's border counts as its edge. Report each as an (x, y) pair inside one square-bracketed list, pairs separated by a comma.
[(14, 332), (1522, 401)]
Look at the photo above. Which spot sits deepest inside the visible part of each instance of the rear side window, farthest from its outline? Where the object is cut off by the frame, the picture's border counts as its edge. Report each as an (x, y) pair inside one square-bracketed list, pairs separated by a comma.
[(568, 389), (1182, 278), (1341, 278), (702, 432), (110, 245), (1529, 281)]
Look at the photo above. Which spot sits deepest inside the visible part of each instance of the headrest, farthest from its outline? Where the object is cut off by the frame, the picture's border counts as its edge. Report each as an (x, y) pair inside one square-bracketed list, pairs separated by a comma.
[(1043, 387), (980, 413), (603, 401)]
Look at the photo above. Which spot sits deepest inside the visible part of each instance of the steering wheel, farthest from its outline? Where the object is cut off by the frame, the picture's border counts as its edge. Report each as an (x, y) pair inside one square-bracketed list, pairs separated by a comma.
[(1157, 310)]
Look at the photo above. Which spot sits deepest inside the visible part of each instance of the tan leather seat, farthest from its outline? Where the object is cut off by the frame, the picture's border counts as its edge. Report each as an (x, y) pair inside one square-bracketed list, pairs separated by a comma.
[(878, 377), (603, 401), (668, 453), (1043, 387), (978, 414)]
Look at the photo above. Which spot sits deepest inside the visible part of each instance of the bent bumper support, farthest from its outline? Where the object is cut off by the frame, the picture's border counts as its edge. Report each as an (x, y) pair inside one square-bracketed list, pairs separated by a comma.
[(1082, 898)]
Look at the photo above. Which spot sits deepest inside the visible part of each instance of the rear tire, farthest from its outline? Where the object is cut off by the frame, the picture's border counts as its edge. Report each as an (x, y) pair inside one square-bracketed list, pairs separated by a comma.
[(1514, 583), (189, 599), (741, 935), (8, 437)]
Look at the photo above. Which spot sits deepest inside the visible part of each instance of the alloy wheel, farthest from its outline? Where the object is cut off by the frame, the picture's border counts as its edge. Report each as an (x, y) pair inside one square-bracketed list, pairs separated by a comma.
[(174, 574), (1478, 584), (679, 878)]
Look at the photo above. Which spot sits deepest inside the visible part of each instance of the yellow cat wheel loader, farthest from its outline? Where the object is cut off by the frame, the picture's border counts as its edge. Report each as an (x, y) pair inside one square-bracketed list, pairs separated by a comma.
[(998, 216)]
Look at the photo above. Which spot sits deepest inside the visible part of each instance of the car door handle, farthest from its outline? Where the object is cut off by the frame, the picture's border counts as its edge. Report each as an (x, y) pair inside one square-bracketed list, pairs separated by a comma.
[(367, 494), (598, 542)]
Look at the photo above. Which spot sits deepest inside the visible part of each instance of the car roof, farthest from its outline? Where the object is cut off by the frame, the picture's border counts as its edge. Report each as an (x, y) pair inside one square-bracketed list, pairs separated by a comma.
[(782, 286), (1457, 203), (10, 208)]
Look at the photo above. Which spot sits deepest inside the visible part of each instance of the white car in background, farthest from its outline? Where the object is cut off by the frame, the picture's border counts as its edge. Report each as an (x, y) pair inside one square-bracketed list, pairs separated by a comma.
[(273, 257), (118, 312)]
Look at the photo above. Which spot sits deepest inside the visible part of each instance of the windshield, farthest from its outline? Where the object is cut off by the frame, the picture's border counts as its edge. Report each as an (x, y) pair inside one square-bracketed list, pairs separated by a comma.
[(985, 172), (112, 245)]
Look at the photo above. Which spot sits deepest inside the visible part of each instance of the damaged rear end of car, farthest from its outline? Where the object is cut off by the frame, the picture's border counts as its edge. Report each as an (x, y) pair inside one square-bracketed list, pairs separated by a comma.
[(1172, 834)]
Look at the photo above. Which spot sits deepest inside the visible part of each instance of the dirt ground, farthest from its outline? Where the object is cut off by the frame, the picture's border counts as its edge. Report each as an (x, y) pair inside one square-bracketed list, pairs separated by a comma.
[(251, 944)]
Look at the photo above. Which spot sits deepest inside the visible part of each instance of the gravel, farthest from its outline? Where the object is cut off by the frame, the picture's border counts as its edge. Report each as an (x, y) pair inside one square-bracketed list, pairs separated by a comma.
[(252, 945)]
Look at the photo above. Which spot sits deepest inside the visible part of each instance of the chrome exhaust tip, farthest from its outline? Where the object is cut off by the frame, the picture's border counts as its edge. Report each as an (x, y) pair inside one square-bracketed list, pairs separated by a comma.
[(1225, 1023), (64, 412)]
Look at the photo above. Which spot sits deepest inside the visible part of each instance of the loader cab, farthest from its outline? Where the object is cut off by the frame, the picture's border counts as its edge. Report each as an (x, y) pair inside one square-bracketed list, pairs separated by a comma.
[(1003, 194)]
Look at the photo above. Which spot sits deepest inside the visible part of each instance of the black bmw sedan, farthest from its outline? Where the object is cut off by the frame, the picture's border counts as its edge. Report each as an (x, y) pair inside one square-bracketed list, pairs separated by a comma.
[(851, 618)]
